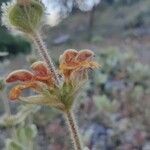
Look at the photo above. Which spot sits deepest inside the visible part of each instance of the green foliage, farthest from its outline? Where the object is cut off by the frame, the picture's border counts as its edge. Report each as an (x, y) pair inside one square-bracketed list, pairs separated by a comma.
[(25, 134), (13, 45), (121, 67), (121, 85), (8, 120), (11, 145), (24, 137), (137, 92), (104, 104)]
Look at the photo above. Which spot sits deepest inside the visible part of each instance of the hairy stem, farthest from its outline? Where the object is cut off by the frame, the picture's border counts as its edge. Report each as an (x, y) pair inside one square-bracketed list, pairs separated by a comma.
[(44, 53), (73, 130)]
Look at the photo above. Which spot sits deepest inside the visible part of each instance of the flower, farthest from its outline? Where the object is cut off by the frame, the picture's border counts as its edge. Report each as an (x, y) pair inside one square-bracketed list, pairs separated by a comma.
[(75, 64), (29, 80)]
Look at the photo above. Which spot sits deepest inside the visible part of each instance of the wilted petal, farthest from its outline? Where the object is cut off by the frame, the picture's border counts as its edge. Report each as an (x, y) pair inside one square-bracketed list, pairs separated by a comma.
[(84, 55), (19, 75)]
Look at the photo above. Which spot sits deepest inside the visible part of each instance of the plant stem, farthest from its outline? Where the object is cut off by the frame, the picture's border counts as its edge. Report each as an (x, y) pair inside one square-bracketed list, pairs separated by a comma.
[(73, 128), (44, 53)]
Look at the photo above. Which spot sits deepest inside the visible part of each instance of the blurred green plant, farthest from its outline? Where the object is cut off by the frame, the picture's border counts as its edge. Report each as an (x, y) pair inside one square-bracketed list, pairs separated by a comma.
[(120, 92), (22, 131), (118, 99), (121, 73), (13, 45), (23, 138)]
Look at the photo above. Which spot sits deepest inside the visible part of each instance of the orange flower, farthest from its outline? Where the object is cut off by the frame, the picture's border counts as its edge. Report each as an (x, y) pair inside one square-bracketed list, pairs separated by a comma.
[(74, 66), (74, 63), (29, 80)]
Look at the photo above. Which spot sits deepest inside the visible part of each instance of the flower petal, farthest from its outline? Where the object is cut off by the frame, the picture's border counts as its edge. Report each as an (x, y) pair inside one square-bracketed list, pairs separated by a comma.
[(42, 73), (68, 56), (16, 91), (19, 75), (84, 55), (40, 68)]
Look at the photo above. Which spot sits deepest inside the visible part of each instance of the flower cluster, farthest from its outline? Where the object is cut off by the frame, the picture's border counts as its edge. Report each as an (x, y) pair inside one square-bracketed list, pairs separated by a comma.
[(74, 66)]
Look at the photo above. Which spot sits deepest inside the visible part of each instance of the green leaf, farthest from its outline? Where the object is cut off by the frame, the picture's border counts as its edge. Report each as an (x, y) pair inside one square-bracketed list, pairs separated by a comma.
[(12, 145), (31, 131)]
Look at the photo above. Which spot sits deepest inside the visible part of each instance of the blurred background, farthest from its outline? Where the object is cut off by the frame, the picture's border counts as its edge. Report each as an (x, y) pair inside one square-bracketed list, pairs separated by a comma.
[(113, 111)]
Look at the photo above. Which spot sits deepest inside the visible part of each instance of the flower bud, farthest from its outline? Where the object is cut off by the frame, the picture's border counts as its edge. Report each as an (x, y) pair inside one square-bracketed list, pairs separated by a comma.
[(23, 15)]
